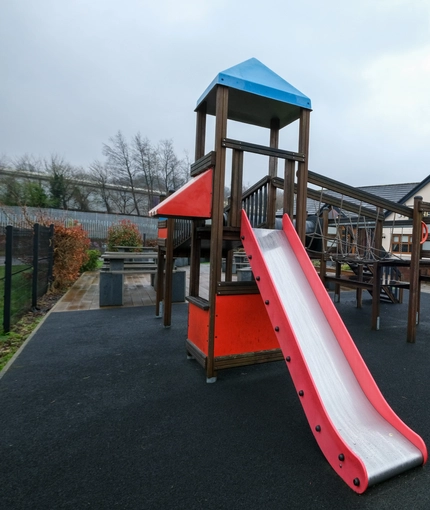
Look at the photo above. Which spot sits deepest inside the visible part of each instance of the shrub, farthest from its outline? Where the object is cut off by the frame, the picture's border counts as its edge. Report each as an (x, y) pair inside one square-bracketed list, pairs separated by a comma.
[(92, 263), (152, 243), (71, 244), (124, 233), (70, 253)]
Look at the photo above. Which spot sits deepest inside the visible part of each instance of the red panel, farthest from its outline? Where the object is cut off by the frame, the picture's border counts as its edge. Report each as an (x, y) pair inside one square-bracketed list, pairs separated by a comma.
[(194, 200), (162, 233), (242, 325), (198, 327)]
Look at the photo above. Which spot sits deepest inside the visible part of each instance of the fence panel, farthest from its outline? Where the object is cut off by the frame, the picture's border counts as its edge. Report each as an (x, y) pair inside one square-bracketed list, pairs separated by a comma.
[(43, 256), (26, 269), (96, 224), (18, 274)]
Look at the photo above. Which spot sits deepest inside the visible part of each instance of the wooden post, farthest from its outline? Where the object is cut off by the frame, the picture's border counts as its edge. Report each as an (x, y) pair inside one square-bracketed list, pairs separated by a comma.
[(217, 222), (289, 188), (160, 276), (376, 293), (199, 150), (160, 282), (337, 285), (229, 266), (195, 260), (359, 291), (168, 274), (195, 241), (236, 189), (302, 176), (235, 205), (273, 172), (323, 262), (414, 278), (378, 232)]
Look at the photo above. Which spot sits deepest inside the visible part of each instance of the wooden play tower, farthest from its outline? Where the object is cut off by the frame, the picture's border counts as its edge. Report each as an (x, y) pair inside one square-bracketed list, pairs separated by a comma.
[(231, 328), (285, 313)]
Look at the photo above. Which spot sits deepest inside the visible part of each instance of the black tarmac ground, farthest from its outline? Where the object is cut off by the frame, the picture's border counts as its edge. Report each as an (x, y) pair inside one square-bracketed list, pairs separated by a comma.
[(102, 410)]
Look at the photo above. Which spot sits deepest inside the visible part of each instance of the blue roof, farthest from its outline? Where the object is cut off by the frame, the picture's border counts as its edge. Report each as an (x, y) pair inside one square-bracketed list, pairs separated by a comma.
[(256, 96)]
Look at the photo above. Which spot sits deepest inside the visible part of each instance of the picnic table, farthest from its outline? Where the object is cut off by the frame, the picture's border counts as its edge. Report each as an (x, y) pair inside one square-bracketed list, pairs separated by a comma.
[(116, 264)]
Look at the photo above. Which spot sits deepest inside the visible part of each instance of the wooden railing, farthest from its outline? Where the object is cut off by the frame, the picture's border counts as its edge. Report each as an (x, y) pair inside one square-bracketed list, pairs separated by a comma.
[(254, 202), (182, 231)]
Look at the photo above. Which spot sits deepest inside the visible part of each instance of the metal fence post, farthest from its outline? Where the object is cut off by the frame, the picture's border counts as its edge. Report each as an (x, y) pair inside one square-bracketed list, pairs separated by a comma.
[(8, 279), (36, 233), (50, 255)]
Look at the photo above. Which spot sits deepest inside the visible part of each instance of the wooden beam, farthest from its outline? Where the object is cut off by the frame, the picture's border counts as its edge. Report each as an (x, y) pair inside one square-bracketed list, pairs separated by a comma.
[(203, 164), (273, 172), (200, 133), (362, 196), (262, 149), (326, 198), (302, 175), (289, 189), (217, 220)]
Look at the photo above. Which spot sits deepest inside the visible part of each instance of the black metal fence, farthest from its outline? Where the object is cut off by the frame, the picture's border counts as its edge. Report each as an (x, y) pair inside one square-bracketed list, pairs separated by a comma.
[(26, 272)]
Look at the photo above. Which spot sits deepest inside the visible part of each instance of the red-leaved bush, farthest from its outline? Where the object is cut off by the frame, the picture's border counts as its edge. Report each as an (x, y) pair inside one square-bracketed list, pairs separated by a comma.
[(70, 253), (123, 233)]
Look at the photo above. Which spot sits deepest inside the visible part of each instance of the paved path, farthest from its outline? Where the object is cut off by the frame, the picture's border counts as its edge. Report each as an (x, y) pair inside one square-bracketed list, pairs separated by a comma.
[(138, 291)]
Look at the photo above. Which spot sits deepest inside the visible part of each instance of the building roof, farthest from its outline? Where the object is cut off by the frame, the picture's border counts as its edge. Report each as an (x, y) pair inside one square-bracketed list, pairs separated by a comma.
[(256, 95), (392, 192)]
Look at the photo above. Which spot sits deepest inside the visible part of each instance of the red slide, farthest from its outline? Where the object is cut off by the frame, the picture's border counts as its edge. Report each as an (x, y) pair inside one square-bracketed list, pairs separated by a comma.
[(360, 435)]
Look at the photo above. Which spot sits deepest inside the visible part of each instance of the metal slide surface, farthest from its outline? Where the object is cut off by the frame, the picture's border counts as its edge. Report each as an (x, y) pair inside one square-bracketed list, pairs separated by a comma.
[(360, 435)]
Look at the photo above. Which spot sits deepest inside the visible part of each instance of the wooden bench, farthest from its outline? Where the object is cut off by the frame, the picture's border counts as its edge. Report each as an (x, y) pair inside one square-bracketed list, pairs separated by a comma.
[(133, 267)]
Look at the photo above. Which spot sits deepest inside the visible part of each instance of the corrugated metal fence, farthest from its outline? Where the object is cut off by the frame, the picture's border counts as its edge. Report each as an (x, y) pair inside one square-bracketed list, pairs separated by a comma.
[(96, 224)]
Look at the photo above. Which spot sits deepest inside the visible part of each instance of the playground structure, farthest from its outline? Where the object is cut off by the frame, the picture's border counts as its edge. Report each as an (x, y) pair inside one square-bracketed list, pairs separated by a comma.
[(254, 322)]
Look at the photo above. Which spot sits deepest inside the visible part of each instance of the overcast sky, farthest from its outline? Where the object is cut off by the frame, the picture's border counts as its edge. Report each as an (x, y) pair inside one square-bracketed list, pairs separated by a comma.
[(74, 72)]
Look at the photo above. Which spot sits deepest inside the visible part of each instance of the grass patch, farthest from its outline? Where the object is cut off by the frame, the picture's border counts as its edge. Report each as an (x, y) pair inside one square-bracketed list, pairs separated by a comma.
[(21, 330), (21, 291), (12, 341)]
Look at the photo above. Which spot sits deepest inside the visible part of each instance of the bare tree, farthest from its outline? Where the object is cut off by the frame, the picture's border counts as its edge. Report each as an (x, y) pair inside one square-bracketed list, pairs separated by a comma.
[(172, 171), (99, 174), (81, 193), (119, 161), (124, 202), (29, 163), (4, 162), (61, 174), (145, 162)]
